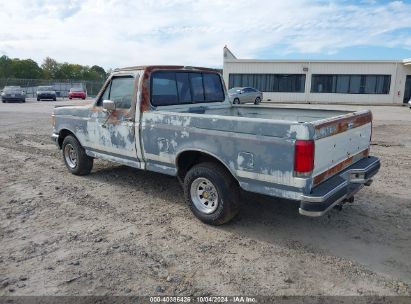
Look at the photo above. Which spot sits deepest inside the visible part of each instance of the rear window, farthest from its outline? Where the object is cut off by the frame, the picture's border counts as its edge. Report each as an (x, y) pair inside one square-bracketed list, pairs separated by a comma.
[(45, 88), (175, 87)]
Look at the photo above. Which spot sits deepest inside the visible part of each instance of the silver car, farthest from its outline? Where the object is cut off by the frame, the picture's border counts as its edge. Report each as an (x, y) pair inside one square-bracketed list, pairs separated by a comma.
[(244, 95), (13, 93)]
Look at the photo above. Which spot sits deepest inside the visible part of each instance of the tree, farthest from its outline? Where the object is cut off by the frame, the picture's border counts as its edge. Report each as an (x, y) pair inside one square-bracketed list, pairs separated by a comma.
[(26, 68), (5, 67), (100, 71), (50, 68)]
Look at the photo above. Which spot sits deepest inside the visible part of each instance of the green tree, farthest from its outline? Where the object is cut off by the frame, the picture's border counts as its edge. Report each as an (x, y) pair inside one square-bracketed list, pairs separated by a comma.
[(5, 67), (100, 71), (26, 68), (50, 68)]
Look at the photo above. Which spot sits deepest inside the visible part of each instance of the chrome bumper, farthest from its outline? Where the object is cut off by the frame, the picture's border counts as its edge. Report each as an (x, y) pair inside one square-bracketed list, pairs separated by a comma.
[(55, 139), (340, 187)]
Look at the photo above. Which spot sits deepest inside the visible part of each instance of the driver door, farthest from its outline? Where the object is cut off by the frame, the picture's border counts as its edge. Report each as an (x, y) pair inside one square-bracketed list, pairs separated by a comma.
[(112, 133)]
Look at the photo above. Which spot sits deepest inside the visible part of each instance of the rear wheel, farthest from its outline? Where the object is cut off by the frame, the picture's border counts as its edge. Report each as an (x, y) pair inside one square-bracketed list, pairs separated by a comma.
[(75, 157), (236, 101), (211, 193), (257, 100), (54, 99)]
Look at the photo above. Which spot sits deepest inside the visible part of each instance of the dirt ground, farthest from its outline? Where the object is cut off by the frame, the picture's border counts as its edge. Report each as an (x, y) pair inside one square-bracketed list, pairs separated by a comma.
[(121, 231)]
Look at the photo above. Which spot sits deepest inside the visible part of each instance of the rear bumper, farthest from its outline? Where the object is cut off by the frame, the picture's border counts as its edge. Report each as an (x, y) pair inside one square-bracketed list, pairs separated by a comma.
[(340, 187), (46, 96), (78, 96), (17, 98)]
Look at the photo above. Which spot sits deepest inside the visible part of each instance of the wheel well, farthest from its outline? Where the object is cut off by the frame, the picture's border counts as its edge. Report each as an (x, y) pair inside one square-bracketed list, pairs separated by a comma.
[(186, 160), (62, 135)]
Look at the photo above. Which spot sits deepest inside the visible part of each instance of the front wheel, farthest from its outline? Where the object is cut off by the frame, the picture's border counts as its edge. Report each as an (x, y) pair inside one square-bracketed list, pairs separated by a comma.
[(211, 193), (236, 101), (257, 101), (75, 157)]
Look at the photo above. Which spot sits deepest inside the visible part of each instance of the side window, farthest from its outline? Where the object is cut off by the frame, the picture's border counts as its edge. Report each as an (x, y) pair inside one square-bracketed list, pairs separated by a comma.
[(121, 91), (197, 86), (183, 86), (213, 88), (105, 95), (164, 89)]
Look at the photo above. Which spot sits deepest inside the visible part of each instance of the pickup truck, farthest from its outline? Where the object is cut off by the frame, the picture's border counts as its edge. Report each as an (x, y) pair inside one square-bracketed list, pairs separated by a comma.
[(179, 121)]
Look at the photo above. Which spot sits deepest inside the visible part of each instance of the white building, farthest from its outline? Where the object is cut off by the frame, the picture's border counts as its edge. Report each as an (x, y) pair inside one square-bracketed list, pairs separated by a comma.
[(322, 81)]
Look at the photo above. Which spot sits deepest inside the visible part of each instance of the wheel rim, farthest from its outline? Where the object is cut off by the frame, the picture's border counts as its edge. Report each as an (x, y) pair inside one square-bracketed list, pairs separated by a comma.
[(257, 100), (204, 195), (70, 156)]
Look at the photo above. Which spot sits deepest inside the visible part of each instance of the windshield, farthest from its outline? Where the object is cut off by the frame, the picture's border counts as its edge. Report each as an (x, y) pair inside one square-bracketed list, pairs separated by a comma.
[(41, 89), (12, 89)]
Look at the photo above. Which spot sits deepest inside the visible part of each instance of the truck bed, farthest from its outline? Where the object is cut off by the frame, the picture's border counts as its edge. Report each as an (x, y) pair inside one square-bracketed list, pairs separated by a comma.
[(272, 113)]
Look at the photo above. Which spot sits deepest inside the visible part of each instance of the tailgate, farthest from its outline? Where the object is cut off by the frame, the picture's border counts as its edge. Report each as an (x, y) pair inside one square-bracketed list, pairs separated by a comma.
[(340, 142)]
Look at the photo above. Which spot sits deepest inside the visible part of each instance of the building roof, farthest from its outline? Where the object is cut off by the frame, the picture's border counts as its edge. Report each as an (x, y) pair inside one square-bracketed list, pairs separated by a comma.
[(232, 58)]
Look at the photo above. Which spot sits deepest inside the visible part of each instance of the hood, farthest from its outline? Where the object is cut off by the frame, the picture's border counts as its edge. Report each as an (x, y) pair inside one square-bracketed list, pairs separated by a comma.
[(75, 110)]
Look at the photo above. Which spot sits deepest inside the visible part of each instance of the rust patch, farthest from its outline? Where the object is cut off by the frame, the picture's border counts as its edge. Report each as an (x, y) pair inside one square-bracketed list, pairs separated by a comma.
[(339, 167), (337, 125)]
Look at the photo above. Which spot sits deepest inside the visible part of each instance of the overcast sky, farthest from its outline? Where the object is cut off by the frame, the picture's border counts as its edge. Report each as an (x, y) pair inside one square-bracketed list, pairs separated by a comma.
[(123, 33)]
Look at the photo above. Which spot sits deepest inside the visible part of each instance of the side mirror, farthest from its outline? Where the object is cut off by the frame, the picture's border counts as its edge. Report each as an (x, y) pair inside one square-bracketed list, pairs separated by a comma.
[(109, 105)]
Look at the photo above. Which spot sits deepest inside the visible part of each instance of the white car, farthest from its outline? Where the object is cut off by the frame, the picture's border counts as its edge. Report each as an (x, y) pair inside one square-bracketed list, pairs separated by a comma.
[(409, 103)]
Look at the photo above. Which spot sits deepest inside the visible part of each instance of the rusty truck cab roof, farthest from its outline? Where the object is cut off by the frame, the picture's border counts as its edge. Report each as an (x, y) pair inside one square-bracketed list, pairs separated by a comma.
[(150, 68)]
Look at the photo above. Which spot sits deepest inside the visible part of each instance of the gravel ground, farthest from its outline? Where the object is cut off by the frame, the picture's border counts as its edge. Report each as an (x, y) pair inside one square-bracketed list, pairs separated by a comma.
[(121, 231)]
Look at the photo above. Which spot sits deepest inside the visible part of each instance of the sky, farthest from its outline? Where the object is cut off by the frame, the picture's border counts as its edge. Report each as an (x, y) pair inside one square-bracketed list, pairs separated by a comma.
[(115, 33)]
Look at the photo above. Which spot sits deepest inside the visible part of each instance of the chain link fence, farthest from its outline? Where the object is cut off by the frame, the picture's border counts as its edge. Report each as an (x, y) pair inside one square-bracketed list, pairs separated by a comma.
[(62, 87)]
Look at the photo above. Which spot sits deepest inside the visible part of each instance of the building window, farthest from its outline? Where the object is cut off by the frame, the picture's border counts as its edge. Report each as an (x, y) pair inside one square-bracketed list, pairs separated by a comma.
[(269, 82), (351, 84)]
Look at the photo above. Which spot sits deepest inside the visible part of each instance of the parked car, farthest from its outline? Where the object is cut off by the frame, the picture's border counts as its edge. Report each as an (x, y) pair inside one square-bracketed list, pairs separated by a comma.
[(13, 93), (409, 103), (179, 121), (46, 92), (244, 95), (77, 93)]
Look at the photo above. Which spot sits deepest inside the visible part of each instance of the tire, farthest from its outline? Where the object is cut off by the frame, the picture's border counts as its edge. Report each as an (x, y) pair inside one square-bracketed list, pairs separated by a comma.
[(70, 98), (38, 99), (75, 157), (225, 192), (23, 101), (84, 98), (54, 99), (236, 101), (257, 101)]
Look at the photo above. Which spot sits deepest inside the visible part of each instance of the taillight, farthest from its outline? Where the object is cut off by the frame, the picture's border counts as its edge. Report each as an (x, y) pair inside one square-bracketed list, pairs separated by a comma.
[(304, 157)]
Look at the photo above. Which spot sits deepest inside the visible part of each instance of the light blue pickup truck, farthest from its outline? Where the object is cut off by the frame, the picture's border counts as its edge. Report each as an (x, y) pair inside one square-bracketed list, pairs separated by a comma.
[(179, 121)]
